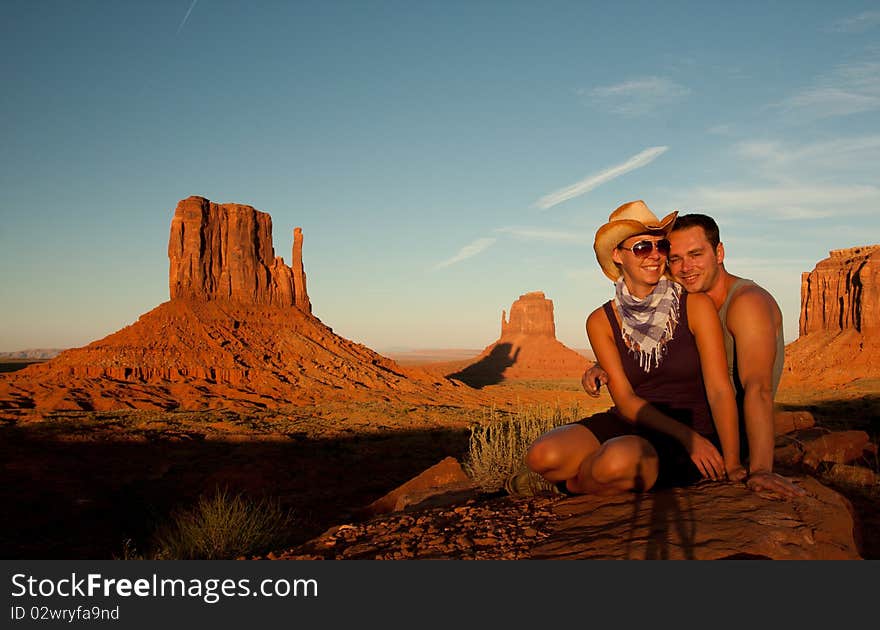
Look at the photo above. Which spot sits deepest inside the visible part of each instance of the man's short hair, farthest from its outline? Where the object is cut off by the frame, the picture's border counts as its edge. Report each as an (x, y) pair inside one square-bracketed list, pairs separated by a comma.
[(710, 228)]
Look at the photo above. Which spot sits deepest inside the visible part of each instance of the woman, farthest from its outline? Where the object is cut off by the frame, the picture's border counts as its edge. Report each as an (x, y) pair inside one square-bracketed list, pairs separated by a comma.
[(664, 354)]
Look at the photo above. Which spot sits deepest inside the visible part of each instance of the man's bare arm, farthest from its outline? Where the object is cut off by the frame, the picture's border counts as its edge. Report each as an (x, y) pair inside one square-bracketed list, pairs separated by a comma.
[(753, 319)]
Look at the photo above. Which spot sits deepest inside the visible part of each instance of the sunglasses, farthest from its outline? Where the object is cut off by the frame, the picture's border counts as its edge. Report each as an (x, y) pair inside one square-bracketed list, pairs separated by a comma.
[(642, 249)]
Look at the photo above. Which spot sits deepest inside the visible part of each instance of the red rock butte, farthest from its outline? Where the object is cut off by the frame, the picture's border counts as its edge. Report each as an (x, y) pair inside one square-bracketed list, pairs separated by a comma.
[(224, 252), (527, 347), (839, 324), (238, 332)]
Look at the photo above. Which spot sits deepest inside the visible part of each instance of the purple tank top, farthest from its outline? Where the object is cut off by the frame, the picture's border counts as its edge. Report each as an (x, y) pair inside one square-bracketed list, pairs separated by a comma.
[(676, 386)]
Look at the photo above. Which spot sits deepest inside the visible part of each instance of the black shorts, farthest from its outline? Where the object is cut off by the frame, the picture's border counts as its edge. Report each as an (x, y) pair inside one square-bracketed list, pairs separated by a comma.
[(676, 468)]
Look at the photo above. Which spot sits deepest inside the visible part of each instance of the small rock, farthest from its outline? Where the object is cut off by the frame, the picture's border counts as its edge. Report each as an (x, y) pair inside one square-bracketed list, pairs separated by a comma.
[(788, 421), (853, 475), (463, 541), (436, 480), (839, 447)]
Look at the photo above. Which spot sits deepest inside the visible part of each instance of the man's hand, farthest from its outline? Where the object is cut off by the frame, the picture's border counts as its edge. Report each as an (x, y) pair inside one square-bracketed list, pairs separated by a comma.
[(765, 482), (593, 379)]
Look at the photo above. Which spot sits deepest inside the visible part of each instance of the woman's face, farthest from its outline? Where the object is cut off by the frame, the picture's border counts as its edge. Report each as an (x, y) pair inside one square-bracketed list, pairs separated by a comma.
[(642, 261)]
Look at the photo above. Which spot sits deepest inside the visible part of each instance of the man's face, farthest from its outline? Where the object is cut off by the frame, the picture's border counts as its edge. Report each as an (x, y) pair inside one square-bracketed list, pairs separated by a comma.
[(692, 260)]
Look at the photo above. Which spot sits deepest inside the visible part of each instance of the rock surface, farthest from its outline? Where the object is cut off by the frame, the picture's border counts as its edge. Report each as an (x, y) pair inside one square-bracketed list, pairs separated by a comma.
[(526, 348), (839, 321), (706, 522), (494, 529), (712, 521)]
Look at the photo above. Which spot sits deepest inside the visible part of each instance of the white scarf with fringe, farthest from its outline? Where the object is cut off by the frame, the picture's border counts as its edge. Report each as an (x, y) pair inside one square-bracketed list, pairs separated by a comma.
[(647, 324)]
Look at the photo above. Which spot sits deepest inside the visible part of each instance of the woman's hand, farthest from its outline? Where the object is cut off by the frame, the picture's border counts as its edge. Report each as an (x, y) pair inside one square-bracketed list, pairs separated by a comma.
[(706, 457), (593, 379), (736, 472)]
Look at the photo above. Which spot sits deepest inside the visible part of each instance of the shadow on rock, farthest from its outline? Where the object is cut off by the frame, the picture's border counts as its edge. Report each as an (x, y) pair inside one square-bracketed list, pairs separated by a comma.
[(490, 369)]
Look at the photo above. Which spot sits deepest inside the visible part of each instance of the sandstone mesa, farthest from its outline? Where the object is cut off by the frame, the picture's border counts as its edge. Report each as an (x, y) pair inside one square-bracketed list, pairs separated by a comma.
[(839, 323)]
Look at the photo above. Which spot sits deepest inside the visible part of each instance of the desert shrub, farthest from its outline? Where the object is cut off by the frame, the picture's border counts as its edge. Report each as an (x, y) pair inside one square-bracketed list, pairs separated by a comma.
[(223, 526), (497, 445)]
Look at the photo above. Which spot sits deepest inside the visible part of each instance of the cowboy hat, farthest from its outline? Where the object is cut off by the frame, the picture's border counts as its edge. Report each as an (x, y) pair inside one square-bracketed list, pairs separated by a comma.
[(628, 220)]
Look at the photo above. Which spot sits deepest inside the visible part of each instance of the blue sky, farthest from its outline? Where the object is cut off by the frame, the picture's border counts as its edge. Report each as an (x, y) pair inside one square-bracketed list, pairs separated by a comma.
[(442, 158)]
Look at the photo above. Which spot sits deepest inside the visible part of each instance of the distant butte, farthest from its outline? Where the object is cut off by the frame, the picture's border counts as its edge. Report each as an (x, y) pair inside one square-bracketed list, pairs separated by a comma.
[(839, 324), (526, 348), (224, 252), (238, 332)]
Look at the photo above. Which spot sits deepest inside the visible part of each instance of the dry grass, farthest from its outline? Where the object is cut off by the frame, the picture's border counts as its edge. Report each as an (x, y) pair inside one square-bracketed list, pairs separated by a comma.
[(497, 445), (223, 527)]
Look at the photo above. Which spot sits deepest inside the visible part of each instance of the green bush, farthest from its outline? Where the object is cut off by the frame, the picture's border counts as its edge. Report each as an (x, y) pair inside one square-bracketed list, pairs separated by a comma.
[(498, 444), (224, 526)]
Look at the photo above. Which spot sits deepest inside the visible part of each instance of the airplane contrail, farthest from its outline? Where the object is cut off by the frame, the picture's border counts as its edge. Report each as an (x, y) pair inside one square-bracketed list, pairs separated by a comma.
[(585, 185), (186, 17), (471, 249)]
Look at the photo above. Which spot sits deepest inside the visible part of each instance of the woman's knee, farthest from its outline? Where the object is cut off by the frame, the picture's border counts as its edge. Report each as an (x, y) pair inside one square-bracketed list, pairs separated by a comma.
[(543, 455), (629, 461)]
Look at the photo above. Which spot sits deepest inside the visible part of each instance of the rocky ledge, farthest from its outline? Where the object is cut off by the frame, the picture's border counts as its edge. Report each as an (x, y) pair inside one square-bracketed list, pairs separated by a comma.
[(440, 514)]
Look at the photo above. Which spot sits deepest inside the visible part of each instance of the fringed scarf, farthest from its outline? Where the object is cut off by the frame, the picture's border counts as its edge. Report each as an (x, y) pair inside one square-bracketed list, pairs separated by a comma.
[(647, 324)]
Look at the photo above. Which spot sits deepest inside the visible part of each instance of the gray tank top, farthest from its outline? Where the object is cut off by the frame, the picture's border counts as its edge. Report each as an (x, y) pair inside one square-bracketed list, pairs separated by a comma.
[(730, 346)]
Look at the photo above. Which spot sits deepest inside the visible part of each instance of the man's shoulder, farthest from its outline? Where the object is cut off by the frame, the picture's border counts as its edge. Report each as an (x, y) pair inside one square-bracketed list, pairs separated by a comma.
[(751, 294), (749, 303)]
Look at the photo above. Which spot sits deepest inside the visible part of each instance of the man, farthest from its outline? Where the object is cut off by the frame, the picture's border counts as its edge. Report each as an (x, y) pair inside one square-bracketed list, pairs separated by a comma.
[(752, 325)]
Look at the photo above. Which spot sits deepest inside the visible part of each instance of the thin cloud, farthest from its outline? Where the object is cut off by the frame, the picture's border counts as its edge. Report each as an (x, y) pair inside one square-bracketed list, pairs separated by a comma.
[(848, 90), (597, 179), (857, 23), (186, 17), (791, 202), (828, 102), (638, 96), (843, 155), (469, 250), (800, 181)]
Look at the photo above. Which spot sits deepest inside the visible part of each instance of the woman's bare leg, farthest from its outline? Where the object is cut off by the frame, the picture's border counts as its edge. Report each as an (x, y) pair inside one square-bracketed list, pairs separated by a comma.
[(558, 454), (574, 455), (620, 465)]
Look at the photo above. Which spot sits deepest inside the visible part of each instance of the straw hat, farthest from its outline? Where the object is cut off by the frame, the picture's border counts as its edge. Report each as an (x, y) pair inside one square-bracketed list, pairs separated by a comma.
[(628, 220)]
